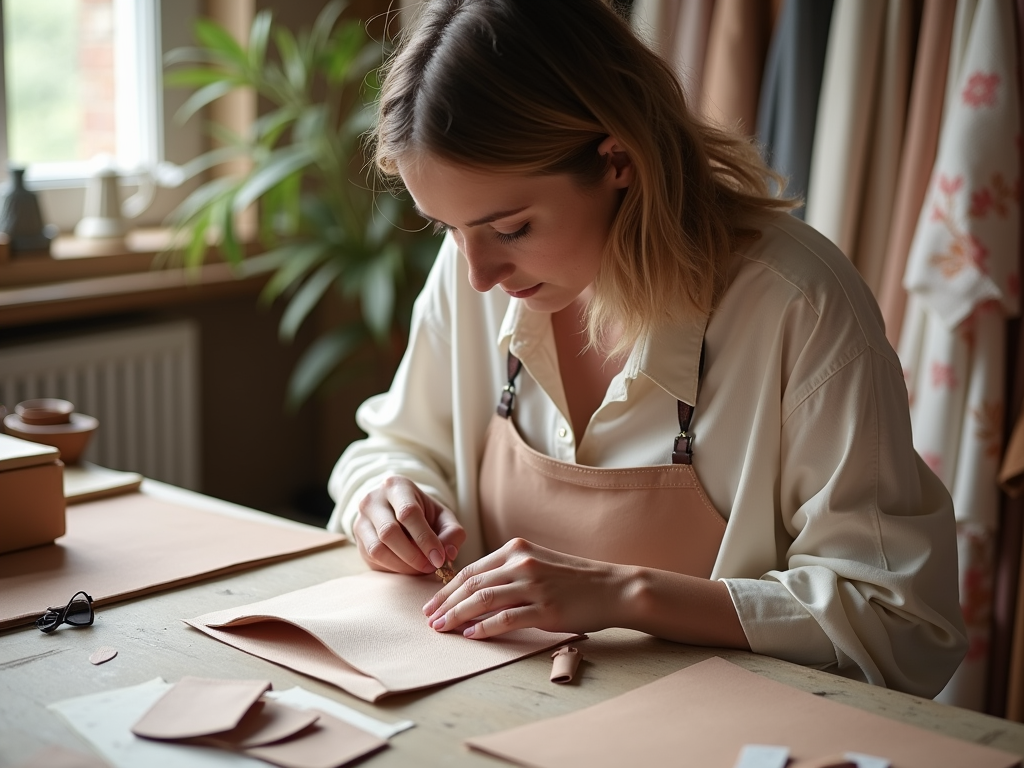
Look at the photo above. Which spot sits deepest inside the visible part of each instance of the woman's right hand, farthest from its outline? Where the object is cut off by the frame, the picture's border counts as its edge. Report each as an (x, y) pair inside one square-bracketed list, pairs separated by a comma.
[(401, 529)]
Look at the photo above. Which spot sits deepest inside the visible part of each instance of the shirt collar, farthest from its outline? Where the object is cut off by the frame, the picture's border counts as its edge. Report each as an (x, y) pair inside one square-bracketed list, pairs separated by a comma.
[(522, 329), (669, 355)]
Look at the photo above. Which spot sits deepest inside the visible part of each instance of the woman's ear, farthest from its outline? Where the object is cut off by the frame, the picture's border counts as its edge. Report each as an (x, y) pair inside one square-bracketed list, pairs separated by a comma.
[(620, 164)]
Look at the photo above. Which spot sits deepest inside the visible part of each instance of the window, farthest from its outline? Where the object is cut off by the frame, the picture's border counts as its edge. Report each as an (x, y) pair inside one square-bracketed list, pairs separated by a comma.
[(83, 78)]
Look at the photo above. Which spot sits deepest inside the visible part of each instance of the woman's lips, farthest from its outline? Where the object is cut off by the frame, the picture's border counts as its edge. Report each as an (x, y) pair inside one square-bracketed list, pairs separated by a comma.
[(524, 294)]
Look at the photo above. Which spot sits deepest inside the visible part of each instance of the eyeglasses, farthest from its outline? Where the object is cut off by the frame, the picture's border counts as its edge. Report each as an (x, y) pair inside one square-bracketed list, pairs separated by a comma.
[(78, 613)]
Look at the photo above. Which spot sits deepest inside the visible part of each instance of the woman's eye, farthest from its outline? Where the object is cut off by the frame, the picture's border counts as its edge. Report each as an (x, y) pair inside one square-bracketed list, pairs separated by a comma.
[(440, 228), (511, 237)]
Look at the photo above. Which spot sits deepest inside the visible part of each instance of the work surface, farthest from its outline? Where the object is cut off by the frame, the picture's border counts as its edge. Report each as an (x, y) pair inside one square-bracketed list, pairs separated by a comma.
[(151, 640)]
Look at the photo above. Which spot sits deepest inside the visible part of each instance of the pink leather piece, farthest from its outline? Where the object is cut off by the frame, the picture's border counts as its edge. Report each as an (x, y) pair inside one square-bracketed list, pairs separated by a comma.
[(566, 660), (102, 655), (266, 722), (367, 635), (328, 743), (198, 706), (703, 716)]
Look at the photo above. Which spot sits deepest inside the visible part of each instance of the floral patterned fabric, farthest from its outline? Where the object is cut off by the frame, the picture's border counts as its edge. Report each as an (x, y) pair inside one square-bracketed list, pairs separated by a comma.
[(963, 280)]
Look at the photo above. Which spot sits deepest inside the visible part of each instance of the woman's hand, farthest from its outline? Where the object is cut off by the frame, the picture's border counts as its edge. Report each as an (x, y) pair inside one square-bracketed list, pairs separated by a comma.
[(525, 585), (401, 529)]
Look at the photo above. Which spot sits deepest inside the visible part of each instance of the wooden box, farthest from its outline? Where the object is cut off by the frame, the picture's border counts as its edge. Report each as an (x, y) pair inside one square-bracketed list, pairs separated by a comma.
[(31, 494)]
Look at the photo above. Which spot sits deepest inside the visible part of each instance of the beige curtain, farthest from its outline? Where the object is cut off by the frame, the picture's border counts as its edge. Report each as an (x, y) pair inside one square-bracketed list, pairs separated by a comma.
[(917, 157), (737, 47), (845, 118)]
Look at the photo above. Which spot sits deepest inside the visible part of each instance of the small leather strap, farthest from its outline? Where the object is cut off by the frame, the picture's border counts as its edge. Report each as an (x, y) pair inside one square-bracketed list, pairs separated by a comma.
[(508, 393), (682, 448)]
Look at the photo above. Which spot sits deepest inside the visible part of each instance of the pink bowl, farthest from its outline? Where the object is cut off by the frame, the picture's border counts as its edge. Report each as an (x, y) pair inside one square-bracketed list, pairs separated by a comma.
[(44, 411)]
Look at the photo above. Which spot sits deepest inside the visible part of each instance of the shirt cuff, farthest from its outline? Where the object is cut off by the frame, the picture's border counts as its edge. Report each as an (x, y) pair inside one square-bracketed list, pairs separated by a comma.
[(776, 624)]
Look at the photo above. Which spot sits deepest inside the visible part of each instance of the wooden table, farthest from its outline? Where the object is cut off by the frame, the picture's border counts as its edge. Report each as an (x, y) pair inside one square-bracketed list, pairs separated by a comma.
[(38, 669)]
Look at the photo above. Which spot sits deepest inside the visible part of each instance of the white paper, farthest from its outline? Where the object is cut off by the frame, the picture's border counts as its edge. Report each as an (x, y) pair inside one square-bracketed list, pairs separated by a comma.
[(867, 761), (105, 720), (300, 698), (762, 756)]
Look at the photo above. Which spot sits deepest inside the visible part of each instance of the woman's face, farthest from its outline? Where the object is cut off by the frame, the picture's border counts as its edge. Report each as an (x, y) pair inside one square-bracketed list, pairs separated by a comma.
[(540, 238)]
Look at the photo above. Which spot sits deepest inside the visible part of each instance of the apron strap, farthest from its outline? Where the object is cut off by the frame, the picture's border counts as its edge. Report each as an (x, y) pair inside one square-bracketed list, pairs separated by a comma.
[(682, 448), (508, 393)]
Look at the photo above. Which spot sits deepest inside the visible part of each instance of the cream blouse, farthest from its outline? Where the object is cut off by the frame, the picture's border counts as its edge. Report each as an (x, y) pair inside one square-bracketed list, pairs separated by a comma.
[(839, 550)]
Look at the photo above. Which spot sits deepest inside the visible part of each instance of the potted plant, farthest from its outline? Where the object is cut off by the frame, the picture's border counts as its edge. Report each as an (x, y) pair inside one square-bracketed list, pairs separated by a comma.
[(322, 225)]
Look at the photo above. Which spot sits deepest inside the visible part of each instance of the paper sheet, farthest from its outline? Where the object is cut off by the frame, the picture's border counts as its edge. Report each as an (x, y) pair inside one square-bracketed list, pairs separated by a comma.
[(105, 720), (85, 482), (704, 715), (367, 635), (135, 544)]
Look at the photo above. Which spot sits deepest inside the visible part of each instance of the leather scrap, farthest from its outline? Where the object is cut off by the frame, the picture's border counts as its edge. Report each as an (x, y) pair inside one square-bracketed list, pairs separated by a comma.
[(328, 743), (266, 722), (198, 706), (102, 654), (566, 661)]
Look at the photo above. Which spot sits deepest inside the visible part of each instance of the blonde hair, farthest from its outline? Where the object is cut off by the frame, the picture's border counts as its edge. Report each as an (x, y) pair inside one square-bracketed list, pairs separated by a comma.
[(533, 88)]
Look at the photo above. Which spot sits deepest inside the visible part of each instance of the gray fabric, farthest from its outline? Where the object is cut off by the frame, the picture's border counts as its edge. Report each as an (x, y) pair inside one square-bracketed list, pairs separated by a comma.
[(788, 109)]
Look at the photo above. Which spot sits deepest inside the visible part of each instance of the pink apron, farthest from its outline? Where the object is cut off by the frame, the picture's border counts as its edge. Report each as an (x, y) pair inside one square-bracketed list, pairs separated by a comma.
[(657, 517)]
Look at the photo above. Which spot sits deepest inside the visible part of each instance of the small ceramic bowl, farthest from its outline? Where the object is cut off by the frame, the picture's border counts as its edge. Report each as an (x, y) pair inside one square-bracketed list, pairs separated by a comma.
[(70, 437), (45, 411)]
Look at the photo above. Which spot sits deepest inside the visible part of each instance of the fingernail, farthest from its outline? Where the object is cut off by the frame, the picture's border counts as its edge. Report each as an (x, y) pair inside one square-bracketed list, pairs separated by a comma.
[(436, 558), (452, 552), (426, 608), (438, 624), (469, 631)]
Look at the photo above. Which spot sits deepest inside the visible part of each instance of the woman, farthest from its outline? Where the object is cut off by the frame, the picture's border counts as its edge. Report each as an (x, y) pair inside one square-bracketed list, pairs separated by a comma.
[(701, 432)]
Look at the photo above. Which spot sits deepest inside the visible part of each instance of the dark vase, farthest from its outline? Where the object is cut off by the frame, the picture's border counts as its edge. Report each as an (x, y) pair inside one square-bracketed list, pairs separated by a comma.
[(20, 217)]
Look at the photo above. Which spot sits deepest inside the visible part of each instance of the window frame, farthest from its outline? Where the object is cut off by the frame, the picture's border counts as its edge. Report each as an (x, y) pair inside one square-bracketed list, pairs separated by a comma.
[(163, 143)]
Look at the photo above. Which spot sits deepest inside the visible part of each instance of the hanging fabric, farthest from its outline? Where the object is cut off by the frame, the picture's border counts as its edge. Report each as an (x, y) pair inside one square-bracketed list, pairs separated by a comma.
[(963, 279), (886, 141), (734, 65), (844, 116), (918, 156), (788, 107), (1006, 676), (677, 30), (689, 44)]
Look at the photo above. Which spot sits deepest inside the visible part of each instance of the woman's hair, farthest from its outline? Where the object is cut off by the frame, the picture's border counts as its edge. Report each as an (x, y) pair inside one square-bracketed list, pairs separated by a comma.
[(530, 87)]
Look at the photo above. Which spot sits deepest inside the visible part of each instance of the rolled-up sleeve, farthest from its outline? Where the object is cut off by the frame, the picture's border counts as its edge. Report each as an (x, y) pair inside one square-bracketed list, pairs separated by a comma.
[(869, 586)]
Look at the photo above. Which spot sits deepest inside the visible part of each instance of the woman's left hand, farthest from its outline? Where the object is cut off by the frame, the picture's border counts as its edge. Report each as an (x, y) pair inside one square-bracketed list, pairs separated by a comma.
[(525, 585)]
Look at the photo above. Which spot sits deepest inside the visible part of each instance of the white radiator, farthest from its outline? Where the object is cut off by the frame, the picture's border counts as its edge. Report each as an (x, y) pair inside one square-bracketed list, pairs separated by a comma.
[(141, 383)]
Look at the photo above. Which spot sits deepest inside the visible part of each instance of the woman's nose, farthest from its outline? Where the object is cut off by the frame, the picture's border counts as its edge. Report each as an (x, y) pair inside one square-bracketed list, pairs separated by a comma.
[(486, 267)]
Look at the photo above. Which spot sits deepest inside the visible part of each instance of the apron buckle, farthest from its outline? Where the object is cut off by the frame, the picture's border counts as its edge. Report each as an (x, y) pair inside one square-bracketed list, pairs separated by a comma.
[(508, 394), (683, 454)]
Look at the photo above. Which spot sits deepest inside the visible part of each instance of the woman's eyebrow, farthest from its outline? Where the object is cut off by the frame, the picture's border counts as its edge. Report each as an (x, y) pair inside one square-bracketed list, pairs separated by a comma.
[(476, 222)]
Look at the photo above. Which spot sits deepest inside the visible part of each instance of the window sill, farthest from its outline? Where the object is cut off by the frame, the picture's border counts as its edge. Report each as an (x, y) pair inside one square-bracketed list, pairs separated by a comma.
[(80, 280)]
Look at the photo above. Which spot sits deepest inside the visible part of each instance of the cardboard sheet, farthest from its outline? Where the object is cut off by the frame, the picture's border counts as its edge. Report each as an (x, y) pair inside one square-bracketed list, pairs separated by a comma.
[(134, 544), (704, 715), (367, 635)]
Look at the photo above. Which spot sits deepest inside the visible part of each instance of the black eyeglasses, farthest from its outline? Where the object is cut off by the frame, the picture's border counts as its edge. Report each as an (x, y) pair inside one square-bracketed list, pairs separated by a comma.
[(78, 613)]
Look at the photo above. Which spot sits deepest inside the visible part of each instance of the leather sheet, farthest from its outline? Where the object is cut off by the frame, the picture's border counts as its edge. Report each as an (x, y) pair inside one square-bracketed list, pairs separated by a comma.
[(134, 544), (705, 714), (367, 635)]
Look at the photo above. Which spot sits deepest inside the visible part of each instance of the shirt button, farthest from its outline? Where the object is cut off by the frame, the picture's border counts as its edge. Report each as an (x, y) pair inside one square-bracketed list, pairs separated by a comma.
[(562, 431)]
